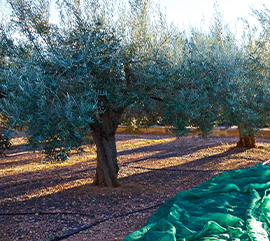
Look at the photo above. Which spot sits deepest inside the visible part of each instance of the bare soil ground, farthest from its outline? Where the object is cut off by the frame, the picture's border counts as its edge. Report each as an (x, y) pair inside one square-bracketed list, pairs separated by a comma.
[(44, 201)]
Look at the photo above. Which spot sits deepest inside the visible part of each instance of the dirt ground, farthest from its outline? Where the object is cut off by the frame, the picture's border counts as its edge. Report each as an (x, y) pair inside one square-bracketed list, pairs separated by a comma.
[(44, 201)]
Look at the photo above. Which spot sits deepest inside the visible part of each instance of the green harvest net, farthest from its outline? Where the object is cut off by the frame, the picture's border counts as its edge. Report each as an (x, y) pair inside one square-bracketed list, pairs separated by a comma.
[(231, 206)]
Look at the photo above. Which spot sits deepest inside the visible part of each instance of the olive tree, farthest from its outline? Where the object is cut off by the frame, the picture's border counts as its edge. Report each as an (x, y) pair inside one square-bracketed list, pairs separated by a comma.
[(4, 118), (222, 81), (245, 96), (79, 76), (205, 68)]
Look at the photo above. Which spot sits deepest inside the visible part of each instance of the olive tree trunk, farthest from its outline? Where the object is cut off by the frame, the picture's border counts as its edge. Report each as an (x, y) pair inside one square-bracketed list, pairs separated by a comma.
[(103, 133), (107, 167), (247, 141)]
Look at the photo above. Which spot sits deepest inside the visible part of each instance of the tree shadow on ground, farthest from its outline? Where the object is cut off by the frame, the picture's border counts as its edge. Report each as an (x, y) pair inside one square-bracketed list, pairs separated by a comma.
[(213, 159), (66, 175), (17, 162), (174, 145), (163, 148), (31, 181)]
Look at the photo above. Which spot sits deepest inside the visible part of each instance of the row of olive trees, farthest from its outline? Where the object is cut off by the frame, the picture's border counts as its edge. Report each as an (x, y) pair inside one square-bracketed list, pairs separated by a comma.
[(231, 78), (104, 59)]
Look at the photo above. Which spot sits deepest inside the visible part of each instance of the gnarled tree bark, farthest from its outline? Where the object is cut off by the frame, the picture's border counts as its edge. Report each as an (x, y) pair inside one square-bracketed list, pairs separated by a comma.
[(247, 141), (107, 167), (103, 133)]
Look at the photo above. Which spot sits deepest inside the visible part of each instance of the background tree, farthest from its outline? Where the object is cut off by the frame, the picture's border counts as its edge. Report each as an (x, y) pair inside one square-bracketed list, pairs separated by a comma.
[(4, 118), (245, 94), (222, 81), (205, 66)]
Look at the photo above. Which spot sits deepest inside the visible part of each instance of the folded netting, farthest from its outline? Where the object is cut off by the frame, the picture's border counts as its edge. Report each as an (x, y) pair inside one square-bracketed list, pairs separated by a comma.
[(231, 206)]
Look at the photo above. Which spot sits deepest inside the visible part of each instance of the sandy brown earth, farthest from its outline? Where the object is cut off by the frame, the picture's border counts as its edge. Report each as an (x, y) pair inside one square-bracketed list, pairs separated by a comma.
[(44, 201)]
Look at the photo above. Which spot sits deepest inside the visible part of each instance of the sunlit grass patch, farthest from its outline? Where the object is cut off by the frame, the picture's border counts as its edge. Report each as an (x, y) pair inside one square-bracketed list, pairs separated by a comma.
[(49, 190), (148, 142), (38, 164)]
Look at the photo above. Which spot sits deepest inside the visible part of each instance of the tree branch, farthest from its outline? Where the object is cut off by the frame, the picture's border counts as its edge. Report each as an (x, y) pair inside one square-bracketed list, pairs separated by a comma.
[(156, 98)]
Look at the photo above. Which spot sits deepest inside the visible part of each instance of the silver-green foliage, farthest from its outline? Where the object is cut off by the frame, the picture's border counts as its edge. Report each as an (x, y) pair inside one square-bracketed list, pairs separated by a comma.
[(70, 73), (205, 68), (221, 81), (247, 98), (54, 91)]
